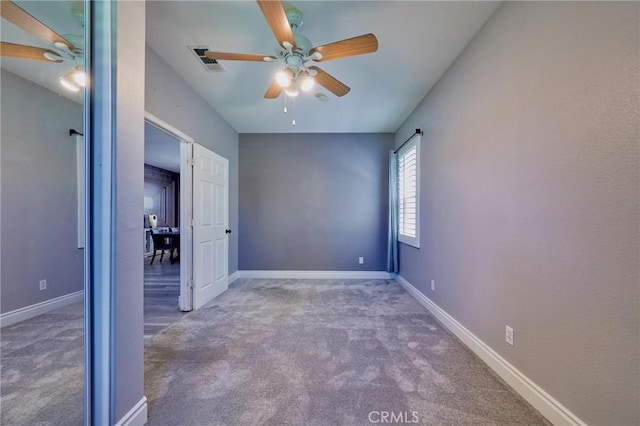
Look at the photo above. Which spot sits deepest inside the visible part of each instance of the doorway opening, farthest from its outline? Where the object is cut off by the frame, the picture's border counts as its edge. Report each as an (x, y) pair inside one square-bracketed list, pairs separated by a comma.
[(166, 233), (197, 189)]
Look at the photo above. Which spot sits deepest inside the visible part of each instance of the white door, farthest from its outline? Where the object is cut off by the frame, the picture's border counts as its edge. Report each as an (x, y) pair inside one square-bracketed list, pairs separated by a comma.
[(210, 225)]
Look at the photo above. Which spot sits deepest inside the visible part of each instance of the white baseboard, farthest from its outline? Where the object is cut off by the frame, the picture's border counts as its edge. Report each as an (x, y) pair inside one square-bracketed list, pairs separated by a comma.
[(302, 275), (234, 277), (32, 311), (555, 412), (137, 416)]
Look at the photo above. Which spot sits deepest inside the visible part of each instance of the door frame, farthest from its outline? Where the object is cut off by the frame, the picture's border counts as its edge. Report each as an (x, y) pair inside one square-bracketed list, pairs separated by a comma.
[(185, 301)]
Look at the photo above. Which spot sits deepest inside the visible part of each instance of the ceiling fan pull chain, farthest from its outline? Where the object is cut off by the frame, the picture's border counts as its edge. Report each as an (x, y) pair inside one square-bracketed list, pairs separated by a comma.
[(293, 123)]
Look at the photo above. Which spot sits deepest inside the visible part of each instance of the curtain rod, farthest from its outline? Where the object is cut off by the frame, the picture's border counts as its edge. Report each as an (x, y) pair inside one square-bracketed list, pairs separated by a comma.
[(417, 132), (74, 132)]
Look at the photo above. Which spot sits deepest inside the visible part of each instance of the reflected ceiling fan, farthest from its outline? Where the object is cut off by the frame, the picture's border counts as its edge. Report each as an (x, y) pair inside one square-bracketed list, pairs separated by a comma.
[(68, 47), (298, 55)]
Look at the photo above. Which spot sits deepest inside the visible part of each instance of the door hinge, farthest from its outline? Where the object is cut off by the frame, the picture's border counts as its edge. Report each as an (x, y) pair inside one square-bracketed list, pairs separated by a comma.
[(190, 283), (192, 223), (191, 161)]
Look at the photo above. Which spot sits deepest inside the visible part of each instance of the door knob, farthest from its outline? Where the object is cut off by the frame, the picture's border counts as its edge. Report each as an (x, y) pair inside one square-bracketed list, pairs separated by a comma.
[(228, 231)]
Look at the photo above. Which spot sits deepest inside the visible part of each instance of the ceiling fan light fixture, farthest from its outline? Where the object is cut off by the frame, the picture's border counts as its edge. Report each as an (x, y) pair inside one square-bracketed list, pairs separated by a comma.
[(79, 77), (292, 91), (283, 78), (69, 84), (306, 83)]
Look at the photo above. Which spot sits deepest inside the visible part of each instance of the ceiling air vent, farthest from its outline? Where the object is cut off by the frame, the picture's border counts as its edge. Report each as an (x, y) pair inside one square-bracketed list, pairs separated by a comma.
[(210, 65), (321, 97)]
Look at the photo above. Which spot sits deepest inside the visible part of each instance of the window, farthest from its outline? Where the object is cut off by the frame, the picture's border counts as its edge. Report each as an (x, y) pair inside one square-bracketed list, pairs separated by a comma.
[(409, 193)]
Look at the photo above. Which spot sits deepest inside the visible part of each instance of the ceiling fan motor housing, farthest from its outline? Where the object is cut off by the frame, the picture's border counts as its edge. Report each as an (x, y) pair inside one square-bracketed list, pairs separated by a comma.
[(303, 44), (294, 62)]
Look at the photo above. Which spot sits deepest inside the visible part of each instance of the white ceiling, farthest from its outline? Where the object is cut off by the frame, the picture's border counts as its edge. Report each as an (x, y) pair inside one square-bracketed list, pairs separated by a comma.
[(418, 40)]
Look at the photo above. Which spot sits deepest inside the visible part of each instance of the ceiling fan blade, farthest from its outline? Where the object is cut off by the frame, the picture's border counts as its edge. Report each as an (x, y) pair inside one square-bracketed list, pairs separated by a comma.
[(277, 19), (20, 51), (329, 82), (273, 91), (237, 56), (367, 43), (17, 16)]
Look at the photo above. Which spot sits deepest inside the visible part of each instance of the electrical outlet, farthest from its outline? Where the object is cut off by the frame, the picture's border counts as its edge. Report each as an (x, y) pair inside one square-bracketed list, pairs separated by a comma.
[(509, 335), (433, 285), (361, 260), (43, 284)]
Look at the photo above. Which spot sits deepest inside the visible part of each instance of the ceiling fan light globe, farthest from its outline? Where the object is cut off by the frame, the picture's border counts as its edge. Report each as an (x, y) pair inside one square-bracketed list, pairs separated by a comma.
[(307, 83), (68, 84), (283, 78), (292, 92), (80, 78)]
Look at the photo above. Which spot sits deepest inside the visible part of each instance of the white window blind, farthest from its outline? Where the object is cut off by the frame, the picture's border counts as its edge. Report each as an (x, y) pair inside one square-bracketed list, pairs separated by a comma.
[(408, 192)]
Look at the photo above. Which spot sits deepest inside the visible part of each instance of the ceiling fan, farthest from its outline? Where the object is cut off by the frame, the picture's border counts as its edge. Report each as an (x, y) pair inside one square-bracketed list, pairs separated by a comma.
[(68, 47), (298, 55)]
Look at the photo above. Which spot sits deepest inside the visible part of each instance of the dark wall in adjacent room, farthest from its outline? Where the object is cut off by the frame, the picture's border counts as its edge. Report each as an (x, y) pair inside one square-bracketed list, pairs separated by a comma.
[(162, 195)]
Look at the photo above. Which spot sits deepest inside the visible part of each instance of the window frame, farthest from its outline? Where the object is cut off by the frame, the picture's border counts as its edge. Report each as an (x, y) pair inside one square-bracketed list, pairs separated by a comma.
[(403, 238)]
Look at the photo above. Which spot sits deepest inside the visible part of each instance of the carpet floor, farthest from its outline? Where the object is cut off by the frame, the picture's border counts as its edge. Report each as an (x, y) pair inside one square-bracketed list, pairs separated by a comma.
[(42, 369), (320, 352), (42, 359)]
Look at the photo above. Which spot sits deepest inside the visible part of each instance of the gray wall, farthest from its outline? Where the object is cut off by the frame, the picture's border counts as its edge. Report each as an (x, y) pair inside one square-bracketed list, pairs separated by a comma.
[(169, 98), (129, 177), (313, 201), (530, 196), (148, 83), (39, 228)]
